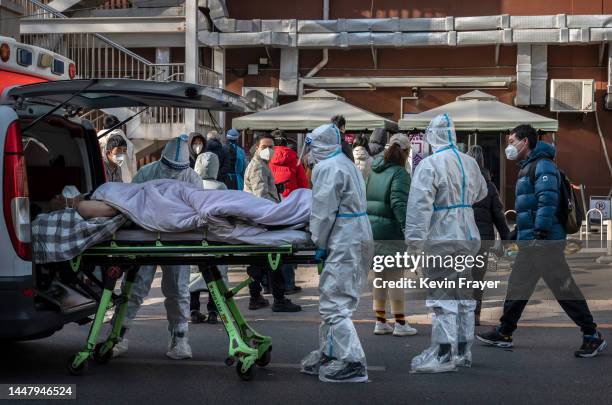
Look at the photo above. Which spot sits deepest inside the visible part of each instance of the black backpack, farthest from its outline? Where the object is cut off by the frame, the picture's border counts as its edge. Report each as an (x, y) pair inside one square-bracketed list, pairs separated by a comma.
[(570, 213)]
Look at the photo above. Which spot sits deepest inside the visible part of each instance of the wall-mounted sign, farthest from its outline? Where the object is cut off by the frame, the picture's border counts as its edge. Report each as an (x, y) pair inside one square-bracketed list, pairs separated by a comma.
[(602, 204)]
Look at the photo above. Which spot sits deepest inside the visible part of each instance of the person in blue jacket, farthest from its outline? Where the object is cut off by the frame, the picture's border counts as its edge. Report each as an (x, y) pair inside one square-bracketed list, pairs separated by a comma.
[(237, 159), (541, 239)]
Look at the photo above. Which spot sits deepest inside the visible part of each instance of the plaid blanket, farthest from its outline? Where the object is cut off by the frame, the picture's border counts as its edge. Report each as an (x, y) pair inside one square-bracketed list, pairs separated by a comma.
[(63, 235)]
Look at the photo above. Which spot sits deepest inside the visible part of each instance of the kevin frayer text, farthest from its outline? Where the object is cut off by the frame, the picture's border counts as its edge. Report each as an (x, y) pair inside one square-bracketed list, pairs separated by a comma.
[(426, 283)]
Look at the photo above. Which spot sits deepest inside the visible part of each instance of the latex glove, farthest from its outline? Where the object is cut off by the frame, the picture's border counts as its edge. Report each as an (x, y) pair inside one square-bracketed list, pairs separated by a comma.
[(320, 254)]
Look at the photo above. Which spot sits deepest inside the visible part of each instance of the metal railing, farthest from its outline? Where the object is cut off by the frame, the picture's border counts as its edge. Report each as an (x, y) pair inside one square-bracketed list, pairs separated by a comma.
[(166, 115), (37, 10), (586, 225)]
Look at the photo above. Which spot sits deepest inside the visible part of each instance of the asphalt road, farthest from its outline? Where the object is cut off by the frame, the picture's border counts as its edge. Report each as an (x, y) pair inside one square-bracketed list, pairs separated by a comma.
[(540, 369)]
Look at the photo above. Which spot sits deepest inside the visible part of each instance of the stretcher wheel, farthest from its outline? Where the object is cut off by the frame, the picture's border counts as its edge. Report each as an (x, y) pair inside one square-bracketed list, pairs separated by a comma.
[(79, 370), (229, 361), (264, 360), (248, 376), (102, 358)]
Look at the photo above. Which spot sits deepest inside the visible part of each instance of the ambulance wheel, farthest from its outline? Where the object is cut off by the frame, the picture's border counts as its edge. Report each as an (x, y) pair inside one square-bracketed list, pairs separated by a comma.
[(102, 358), (264, 360), (245, 376), (79, 370)]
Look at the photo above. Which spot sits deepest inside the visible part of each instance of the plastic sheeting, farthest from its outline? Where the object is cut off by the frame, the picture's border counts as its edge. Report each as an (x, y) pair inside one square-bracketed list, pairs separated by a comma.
[(407, 32)]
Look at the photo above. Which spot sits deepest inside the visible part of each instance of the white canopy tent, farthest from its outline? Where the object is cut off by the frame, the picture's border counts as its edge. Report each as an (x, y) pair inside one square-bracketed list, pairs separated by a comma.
[(480, 111), (309, 112)]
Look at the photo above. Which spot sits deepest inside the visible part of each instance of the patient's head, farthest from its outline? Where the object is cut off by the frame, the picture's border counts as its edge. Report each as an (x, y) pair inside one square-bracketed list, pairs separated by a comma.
[(207, 166)]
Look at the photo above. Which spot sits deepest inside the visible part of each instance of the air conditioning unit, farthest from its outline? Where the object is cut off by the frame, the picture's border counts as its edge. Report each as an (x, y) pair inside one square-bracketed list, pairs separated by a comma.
[(261, 97), (572, 95)]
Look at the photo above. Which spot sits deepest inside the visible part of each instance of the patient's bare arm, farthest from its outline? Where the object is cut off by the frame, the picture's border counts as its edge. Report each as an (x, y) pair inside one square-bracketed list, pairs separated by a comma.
[(95, 209)]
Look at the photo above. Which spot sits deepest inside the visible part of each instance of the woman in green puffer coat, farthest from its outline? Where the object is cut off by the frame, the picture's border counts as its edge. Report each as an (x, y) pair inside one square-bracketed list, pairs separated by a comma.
[(387, 195)]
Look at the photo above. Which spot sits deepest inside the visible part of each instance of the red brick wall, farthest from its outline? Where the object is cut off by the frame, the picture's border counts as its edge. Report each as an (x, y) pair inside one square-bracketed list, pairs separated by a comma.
[(579, 149)]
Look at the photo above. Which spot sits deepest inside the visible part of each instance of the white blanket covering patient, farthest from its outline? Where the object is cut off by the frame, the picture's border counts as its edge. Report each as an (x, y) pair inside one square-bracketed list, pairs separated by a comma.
[(174, 206), (170, 206)]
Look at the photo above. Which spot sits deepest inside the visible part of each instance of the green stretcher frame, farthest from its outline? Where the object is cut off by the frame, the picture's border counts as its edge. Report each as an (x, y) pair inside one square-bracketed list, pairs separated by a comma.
[(246, 345)]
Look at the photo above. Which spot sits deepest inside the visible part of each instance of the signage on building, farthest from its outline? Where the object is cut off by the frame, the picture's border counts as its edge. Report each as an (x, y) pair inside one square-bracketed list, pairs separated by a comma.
[(602, 204), (420, 149)]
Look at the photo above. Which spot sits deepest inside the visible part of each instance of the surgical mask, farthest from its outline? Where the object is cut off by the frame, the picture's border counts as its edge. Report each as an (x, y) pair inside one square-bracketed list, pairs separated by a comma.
[(197, 148), (119, 158), (266, 154), (70, 192), (511, 152)]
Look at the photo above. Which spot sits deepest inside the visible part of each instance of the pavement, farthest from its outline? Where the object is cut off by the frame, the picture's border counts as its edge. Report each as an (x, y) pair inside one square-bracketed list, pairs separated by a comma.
[(541, 368)]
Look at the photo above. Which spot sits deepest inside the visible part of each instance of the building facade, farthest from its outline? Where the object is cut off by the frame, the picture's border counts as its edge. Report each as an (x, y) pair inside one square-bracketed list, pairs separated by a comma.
[(374, 53), (579, 147)]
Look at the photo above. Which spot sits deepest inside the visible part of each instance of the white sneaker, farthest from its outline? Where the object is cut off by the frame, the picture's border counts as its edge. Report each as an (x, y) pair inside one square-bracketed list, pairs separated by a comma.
[(382, 328), (404, 330), (179, 349), (120, 348)]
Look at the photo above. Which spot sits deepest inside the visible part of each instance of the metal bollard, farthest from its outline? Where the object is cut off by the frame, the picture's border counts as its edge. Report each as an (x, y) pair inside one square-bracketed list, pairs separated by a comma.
[(609, 236)]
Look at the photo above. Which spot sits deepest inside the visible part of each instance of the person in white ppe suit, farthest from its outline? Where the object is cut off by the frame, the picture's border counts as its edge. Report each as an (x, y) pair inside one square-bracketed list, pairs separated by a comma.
[(342, 233), (440, 222), (174, 164)]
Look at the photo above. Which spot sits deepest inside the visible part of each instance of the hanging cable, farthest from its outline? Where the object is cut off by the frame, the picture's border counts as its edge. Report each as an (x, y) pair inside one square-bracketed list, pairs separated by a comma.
[(214, 122)]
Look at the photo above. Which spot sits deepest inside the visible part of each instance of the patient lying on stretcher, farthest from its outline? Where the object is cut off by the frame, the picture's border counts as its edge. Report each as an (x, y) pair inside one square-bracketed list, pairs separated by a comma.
[(170, 206)]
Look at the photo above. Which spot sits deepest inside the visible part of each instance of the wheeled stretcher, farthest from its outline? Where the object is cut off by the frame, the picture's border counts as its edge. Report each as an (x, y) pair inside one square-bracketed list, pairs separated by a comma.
[(129, 249)]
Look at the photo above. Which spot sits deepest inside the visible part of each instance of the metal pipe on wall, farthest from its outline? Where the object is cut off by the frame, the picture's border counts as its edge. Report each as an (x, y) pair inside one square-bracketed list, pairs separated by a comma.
[(325, 59)]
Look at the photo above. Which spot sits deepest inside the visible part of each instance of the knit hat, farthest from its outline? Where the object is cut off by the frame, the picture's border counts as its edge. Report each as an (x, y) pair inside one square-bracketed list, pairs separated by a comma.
[(233, 134), (176, 153)]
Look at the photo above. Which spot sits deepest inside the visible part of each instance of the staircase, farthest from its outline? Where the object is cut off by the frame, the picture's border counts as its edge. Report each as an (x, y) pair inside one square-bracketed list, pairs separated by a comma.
[(96, 56)]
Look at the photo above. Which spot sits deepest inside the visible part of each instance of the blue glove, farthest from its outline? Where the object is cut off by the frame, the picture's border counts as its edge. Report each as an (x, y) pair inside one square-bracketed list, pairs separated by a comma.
[(320, 255)]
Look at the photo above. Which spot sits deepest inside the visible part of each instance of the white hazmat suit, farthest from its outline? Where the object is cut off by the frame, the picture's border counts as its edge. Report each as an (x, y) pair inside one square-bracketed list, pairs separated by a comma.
[(440, 221), (342, 233), (174, 164)]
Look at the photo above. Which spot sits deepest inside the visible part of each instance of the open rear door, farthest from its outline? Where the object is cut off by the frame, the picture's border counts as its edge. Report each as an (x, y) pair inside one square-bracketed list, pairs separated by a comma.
[(116, 93)]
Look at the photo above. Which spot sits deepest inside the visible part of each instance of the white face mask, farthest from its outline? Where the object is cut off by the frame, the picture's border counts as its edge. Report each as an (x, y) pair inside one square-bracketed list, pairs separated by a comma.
[(118, 158), (197, 149), (511, 152), (266, 154)]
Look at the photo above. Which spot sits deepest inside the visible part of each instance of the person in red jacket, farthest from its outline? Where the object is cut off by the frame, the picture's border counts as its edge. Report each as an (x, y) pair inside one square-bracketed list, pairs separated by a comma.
[(285, 166), (289, 175)]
